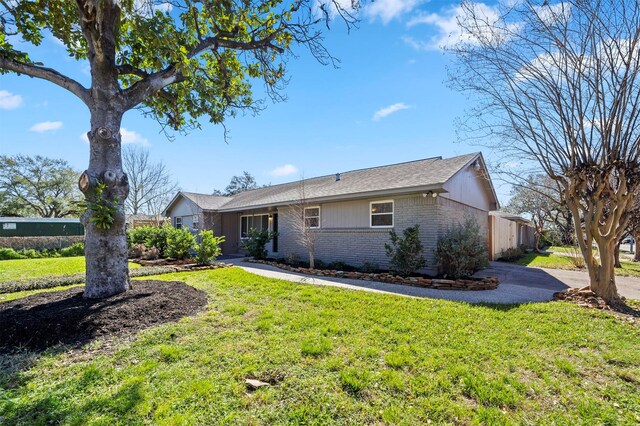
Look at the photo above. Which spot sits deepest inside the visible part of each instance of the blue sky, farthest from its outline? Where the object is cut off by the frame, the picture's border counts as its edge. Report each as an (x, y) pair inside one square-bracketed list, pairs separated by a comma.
[(386, 103)]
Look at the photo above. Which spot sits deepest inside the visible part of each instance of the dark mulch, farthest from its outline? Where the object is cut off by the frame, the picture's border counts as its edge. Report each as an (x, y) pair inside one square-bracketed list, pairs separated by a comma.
[(44, 320)]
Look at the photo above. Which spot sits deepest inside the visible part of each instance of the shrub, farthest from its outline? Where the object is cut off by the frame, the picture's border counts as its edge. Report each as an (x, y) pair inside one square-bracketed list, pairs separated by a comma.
[(338, 265), (157, 237), (369, 267), (10, 254), (511, 254), (405, 252), (209, 248), (255, 242), (76, 249), (180, 242), (462, 251)]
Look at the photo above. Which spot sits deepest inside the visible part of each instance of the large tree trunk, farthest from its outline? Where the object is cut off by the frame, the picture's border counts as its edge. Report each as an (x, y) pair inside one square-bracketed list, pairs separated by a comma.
[(636, 240), (602, 280), (105, 247)]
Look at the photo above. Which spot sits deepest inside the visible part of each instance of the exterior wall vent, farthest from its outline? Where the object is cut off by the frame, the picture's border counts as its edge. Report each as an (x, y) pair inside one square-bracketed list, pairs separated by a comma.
[(337, 177)]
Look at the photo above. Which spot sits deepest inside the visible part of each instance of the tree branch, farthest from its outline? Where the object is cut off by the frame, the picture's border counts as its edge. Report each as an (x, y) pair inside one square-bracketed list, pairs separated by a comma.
[(47, 74)]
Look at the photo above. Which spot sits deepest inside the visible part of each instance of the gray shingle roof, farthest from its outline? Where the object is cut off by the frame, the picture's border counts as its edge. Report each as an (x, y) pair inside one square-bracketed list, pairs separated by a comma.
[(413, 174), (205, 201), (427, 173)]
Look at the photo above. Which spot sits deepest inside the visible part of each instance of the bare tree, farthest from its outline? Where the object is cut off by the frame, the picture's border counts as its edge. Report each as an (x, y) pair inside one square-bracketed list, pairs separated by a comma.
[(305, 220), (150, 183), (557, 85)]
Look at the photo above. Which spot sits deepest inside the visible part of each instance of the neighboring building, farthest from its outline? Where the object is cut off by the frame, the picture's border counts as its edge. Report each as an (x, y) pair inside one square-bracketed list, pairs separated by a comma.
[(351, 212), (39, 227), (136, 220), (509, 231)]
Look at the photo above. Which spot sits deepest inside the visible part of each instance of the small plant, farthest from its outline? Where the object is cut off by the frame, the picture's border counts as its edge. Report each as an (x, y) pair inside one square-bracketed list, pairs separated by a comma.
[(462, 250), (577, 258), (405, 252), (256, 241), (369, 267), (76, 249), (209, 248), (10, 254), (511, 254), (180, 242), (104, 210)]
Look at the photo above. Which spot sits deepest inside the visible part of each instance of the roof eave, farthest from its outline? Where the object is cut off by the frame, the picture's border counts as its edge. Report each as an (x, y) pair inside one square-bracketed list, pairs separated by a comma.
[(437, 188)]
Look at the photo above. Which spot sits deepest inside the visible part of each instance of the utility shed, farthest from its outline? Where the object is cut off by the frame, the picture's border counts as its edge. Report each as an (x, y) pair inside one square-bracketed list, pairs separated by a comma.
[(39, 227)]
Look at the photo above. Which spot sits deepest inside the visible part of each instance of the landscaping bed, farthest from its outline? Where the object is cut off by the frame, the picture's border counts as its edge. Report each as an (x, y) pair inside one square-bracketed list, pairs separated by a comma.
[(44, 320), (462, 284)]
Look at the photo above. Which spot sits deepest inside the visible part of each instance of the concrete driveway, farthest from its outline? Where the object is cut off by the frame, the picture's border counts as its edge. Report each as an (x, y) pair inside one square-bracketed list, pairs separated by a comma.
[(554, 279), (518, 284)]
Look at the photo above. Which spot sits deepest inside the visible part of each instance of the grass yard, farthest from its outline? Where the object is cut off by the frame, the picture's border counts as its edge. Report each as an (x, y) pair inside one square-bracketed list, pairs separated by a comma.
[(559, 258), (23, 269), (339, 357)]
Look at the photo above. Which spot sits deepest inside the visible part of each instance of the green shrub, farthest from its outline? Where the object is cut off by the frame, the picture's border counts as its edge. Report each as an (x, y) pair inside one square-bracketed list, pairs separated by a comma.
[(405, 252), (209, 248), (462, 251), (369, 267), (180, 242), (10, 254), (158, 237), (139, 235), (76, 249), (511, 254), (255, 242)]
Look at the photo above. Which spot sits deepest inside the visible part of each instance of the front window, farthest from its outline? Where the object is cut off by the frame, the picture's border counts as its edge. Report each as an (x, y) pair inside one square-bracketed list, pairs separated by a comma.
[(312, 217), (196, 220), (178, 222), (382, 214), (259, 222)]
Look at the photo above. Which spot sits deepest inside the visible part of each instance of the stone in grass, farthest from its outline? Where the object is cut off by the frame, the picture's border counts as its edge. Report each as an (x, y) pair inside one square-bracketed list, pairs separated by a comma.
[(254, 384)]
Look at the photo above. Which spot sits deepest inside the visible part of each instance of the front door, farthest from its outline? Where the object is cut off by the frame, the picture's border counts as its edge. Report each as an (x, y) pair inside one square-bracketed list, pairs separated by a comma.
[(274, 229)]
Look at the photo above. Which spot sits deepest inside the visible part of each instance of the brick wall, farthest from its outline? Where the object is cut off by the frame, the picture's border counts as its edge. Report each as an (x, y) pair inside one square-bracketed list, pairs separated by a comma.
[(358, 245)]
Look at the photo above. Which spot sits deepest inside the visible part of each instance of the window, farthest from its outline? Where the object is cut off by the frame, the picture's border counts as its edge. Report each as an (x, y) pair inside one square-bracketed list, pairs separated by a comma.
[(178, 222), (258, 222), (381, 214), (312, 217), (196, 220)]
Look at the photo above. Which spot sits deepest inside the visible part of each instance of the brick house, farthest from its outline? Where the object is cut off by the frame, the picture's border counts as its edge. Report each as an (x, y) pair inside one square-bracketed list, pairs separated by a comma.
[(352, 212)]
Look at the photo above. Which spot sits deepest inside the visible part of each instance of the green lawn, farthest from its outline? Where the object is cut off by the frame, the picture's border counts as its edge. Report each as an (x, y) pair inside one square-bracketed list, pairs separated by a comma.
[(558, 258), (340, 357), (23, 269)]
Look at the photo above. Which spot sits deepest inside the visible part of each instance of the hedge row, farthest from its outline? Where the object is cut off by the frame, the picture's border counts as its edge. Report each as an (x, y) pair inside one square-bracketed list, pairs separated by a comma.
[(40, 243), (79, 278)]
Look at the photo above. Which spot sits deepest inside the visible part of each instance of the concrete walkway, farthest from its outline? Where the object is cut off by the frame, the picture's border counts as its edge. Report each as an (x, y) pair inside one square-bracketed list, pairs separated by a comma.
[(518, 284)]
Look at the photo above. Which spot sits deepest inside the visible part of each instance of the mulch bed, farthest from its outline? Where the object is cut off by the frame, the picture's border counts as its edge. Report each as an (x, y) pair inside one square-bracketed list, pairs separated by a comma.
[(588, 299), (44, 320)]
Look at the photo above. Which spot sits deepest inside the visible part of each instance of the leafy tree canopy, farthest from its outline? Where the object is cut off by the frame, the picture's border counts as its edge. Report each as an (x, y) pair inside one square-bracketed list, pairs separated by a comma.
[(38, 186), (181, 60)]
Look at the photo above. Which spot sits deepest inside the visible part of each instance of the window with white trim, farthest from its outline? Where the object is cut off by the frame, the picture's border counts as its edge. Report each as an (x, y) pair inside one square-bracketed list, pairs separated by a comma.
[(196, 221), (312, 217), (258, 222), (178, 222), (381, 214)]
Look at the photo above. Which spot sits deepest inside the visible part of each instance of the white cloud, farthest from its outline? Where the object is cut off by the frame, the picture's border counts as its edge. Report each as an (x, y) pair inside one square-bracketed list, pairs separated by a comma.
[(9, 101), (486, 21), (387, 10), (46, 126), (128, 137), (386, 111), (132, 137), (286, 170)]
